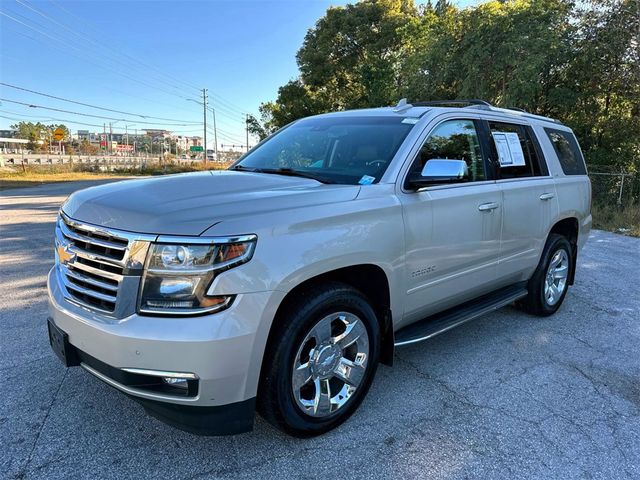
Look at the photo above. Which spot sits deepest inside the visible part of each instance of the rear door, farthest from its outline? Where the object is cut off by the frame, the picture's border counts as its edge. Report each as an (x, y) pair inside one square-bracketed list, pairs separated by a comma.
[(528, 198), (452, 232)]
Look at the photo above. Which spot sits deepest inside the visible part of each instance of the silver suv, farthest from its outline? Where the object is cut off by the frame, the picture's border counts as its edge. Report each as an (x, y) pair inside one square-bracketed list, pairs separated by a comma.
[(280, 284)]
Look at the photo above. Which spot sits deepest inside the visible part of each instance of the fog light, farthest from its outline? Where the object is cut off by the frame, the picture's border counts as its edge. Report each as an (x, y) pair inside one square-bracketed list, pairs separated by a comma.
[(176, 382)]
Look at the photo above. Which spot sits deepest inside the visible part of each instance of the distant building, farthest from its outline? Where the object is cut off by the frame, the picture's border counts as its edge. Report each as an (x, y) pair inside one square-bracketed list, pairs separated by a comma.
[(8, 133), (91, 137), (157, 133), (184, 143)]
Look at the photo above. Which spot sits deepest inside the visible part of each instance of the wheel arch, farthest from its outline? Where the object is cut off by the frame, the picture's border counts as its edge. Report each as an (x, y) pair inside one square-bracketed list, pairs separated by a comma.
[(569, 228), (371, 280)]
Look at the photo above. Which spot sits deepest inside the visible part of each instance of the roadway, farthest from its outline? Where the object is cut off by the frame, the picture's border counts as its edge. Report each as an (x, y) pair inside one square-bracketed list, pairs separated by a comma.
[(507, 396)]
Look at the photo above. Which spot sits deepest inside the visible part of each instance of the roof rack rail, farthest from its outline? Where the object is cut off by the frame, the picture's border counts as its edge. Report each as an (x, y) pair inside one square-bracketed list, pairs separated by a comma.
[(403, 106), (442, 103)]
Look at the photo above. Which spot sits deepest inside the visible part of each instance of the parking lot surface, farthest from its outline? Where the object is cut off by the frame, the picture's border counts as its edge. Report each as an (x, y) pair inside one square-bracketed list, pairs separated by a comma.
[(507, 396)]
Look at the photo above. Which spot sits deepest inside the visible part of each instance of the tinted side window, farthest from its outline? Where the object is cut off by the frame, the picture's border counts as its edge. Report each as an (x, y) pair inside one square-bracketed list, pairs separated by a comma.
[(453, 140), (532, 166), (566, 147)]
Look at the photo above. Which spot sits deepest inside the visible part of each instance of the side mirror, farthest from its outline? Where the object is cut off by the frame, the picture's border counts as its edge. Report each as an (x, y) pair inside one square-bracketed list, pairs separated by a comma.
[(440, 171)]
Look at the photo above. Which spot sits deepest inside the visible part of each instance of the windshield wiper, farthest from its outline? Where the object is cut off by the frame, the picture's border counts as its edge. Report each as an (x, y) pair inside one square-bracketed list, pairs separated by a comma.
[(242, 168), (285, 171)]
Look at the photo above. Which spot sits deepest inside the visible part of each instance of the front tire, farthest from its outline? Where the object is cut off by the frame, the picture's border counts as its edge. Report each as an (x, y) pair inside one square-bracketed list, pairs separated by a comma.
[(320, 361), (549, 284)]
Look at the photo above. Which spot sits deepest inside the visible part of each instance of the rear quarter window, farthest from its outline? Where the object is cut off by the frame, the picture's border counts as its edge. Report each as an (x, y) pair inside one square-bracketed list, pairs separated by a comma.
[(566, 148)]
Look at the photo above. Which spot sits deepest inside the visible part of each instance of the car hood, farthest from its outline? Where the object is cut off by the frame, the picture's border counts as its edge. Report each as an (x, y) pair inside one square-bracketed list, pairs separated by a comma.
[(188, 204)]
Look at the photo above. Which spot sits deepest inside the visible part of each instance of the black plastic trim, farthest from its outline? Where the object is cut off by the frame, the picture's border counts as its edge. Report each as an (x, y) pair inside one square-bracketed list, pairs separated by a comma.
[(229, 419), (149, 383), (458, 315)]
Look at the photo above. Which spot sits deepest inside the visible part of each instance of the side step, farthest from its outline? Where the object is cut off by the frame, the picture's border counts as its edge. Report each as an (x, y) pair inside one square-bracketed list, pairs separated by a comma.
[(443, 321)]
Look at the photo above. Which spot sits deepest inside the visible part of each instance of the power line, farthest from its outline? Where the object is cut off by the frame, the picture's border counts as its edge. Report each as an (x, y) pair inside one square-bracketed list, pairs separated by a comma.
[(98, 44), (91, 106), (75, 122), (229, 105), (137, 61), (100, 65), (229, 113), (228, 138), (99, 116), (229, 134), (225, 107)]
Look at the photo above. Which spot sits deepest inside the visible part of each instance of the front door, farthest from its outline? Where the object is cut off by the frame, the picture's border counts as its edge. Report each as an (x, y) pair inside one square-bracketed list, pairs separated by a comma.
[(452, 232)]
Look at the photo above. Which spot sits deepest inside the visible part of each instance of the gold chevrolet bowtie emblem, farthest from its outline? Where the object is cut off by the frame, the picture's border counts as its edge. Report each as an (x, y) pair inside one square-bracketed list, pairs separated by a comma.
[(64, 255)]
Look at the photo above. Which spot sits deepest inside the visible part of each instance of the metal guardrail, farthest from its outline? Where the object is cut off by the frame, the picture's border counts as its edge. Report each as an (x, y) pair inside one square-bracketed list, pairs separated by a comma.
[(78, 159)]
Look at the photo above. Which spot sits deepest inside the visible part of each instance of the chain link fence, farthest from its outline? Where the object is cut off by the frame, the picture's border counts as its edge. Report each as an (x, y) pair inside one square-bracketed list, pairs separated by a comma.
[(616, 200), (610, 188)]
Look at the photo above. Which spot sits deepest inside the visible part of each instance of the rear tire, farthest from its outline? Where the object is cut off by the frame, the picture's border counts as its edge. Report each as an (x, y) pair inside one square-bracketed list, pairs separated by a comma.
[(320, 361), (549, 284)]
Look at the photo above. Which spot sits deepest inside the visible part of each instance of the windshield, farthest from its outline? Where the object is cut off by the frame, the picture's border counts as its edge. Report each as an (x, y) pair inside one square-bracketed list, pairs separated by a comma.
[(333, 149)]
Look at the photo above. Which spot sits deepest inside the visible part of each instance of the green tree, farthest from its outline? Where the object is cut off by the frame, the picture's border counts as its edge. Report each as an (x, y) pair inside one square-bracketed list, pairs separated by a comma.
[(604, 76), (86, 148), (36, 133), (575, 61), (350, 59), (256, 128)]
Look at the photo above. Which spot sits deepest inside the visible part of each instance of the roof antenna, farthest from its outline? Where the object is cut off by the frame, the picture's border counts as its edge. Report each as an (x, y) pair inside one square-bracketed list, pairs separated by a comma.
[(402, 106)]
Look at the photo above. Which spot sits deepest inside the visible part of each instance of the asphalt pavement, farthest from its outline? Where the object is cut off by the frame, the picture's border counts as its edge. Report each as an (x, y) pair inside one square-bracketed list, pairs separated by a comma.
[(508, 396)]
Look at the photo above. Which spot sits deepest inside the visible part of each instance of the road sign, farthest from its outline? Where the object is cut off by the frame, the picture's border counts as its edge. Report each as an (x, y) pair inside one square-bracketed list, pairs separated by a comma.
[(196, 148), (58, 134)]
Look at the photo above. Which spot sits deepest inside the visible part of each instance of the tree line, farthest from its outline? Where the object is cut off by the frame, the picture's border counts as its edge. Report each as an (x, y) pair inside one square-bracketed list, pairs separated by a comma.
[(574, 61)]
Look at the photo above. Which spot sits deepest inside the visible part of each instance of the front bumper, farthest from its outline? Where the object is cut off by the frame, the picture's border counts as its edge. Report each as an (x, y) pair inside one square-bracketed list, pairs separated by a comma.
[(223, 350)]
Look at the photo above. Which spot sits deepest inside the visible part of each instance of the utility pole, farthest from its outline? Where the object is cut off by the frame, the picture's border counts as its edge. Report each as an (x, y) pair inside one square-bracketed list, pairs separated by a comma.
[(110, 134), (204, 101), (246, 127), (104, 135), (135, 143)]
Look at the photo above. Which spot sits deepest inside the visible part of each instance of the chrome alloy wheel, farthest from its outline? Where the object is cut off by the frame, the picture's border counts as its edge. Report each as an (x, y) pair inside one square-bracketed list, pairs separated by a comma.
[(330, 364), (555, 281)]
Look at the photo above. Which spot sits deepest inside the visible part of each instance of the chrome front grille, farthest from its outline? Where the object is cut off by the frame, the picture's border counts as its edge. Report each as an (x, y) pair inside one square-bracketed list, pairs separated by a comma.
[(94, 241), (95, 262)]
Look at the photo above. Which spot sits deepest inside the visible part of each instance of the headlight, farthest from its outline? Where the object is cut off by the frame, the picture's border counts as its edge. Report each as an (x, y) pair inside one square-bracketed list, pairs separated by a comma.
[(178, 275)]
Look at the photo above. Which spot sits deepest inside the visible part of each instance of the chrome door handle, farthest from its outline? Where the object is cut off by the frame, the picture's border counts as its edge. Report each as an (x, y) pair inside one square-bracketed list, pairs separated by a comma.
[(487, 207), (547, 196)]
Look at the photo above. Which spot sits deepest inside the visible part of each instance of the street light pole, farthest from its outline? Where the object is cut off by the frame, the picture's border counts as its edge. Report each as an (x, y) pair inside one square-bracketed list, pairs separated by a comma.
[(126, 134), (215, 132), (204, 100)]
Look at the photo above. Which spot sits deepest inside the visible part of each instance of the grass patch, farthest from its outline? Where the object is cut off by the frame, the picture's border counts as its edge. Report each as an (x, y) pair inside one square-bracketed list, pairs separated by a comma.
[(16, 177), (15, 180), (617, 219)]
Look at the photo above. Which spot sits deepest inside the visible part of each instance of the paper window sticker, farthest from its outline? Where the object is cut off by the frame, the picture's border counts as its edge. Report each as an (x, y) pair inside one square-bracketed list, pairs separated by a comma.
[(509, 149), (502, 146), (517, 155)]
